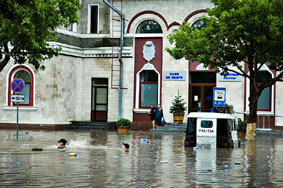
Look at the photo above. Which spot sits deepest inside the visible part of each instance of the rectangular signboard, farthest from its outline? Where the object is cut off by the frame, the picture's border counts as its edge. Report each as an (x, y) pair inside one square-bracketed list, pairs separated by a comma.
[(174, 75), (17, 98), (219, 97), (230, 77)]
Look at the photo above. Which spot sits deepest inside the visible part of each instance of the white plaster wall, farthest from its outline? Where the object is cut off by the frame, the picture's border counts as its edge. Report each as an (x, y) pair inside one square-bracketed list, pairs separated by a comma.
[(128, 92), (279, 104), (234, 95), (170, 88)]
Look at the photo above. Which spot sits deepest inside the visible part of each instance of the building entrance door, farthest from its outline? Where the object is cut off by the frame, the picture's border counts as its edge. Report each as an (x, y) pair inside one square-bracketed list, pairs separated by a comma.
[(99, 104), (201, 91)]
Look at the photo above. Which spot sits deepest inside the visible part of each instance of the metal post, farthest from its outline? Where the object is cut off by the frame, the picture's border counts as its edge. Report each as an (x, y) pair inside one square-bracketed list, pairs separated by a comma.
[(17, 120)]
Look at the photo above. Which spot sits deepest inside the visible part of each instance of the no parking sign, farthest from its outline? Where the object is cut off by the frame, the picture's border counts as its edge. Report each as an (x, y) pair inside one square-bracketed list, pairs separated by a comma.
[(18, 85)]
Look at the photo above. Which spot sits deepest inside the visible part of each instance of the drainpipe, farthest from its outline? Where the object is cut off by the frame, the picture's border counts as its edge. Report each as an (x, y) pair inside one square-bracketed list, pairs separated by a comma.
[(119, 55)]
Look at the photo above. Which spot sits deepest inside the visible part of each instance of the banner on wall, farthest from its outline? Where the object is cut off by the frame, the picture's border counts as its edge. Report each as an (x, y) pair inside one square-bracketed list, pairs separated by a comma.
[(174, 75)]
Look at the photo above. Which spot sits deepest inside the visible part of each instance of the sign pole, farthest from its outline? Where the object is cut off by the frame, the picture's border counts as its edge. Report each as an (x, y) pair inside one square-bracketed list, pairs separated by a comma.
[(17, 120), (17, 86)]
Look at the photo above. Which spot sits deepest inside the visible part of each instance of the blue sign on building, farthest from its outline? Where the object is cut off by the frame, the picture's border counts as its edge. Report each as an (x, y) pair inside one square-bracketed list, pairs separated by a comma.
[(174, 75), (219, 97), (230, 77)]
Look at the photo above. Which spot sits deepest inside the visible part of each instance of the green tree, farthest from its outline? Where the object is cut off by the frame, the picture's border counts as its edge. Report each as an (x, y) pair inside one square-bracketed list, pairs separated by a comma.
[(239, 36), (178, 105), (26, 26)]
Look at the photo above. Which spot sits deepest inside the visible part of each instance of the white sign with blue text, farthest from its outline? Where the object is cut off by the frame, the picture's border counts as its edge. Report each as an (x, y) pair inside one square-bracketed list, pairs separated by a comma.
[(174, 75), (219, 97), (229, 77)]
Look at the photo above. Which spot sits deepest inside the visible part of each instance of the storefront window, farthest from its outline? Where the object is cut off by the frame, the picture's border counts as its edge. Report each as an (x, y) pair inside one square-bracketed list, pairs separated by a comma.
[(149, 88), (149, 26)]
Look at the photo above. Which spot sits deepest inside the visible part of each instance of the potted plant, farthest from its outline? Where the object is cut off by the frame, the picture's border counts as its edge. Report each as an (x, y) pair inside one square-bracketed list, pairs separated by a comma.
[(123, 125), (178, 109), (241, 128), (228, 109)]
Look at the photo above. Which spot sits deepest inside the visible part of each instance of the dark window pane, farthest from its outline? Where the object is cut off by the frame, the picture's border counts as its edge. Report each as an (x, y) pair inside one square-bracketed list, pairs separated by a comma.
[(198, 24), (149, 76), (263, 76), (149, 26), (93, 19), (206, 124), (203, 77), (24, 75), (97, 81)]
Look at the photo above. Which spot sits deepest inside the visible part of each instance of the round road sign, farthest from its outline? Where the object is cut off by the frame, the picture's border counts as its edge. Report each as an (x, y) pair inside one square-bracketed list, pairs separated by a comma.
[(18, 85)]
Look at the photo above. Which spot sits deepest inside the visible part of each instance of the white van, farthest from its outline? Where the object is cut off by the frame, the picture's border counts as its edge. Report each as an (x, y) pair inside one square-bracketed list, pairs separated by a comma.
[(207, 129)]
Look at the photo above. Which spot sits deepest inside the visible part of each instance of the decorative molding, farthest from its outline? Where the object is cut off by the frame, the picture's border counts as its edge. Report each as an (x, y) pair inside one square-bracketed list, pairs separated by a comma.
[(168, 26), (21, 108), (101, 52), (194, 13), (147, 66), (145, 12), (148, 51)]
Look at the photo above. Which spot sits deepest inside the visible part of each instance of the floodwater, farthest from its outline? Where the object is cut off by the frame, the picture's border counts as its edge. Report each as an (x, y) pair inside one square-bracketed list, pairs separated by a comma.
[(164, 162)]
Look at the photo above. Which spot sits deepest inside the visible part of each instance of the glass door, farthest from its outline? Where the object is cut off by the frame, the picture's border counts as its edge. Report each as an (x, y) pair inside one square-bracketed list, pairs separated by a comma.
[(201, 91), (99, 101)]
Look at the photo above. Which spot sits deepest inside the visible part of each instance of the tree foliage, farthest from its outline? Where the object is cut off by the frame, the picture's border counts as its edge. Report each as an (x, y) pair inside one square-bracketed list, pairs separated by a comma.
[(26, 26), (239, 36)]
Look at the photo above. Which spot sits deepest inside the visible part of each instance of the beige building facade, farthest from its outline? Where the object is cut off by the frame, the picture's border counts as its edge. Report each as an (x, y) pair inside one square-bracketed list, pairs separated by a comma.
[(83, 83)]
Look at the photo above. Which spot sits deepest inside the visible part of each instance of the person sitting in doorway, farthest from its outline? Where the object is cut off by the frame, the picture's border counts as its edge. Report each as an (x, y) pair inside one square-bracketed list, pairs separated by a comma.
[(61, 144)]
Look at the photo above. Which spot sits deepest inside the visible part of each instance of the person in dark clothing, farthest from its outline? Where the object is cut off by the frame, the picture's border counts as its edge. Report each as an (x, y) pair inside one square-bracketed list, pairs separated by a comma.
[(158, 116), (152, 115), (61, 144)]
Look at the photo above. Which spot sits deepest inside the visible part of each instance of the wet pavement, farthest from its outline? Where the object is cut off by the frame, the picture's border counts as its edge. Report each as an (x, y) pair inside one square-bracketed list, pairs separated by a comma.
[(163, 162)]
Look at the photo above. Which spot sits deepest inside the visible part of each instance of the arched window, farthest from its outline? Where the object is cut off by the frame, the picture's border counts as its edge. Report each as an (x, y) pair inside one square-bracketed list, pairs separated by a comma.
[(264, 100), (148, 88), (26, 75), (149, 26), (198, 24)]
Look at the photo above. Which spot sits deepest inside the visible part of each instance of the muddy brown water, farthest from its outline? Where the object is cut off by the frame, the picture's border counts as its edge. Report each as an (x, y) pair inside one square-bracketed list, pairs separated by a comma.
[(164, 162)]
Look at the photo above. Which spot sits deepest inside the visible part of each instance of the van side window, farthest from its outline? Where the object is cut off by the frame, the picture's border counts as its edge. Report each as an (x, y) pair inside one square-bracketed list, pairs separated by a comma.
[(206, 124)]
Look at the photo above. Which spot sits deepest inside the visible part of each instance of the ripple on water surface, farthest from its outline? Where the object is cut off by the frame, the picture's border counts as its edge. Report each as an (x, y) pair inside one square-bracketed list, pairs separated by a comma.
[(161, 161)]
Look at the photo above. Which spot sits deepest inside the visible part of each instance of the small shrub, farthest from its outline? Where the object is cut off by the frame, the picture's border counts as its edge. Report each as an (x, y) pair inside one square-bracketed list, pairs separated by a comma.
[(228, 108), (123, 122), (242, 125), (178, 105)]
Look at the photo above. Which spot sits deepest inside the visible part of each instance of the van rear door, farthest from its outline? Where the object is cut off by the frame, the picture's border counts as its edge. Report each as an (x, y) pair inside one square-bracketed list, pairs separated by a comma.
[(206, 132)]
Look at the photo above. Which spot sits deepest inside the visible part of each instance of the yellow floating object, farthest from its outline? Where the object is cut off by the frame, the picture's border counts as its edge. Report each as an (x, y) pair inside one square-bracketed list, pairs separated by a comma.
[(178, 164), (73, 154)]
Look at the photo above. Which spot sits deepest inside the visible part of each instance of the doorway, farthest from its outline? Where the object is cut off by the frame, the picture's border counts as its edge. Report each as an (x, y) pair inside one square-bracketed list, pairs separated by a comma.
[(201, 91), (99, 104)]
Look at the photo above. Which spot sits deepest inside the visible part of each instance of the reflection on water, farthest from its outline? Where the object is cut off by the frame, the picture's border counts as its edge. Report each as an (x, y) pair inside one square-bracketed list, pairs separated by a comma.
[(163, 162)]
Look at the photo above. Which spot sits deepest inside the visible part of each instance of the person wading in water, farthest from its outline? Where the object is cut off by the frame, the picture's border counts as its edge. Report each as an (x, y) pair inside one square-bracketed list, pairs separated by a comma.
[(152, 115)]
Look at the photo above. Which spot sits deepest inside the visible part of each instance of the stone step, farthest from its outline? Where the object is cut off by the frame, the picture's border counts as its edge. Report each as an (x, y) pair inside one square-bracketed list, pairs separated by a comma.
[(167, 131), (92, 125)]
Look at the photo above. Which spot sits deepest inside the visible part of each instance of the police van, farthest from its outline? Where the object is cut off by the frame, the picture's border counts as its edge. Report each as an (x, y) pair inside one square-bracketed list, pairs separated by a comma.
[(205, 129)]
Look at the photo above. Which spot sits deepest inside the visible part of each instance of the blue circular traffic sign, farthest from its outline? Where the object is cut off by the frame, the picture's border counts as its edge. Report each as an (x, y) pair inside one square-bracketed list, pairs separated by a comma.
[(18, 85)]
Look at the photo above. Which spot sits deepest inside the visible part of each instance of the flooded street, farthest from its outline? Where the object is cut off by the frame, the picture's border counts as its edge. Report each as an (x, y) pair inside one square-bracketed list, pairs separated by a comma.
[(164, 162)]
